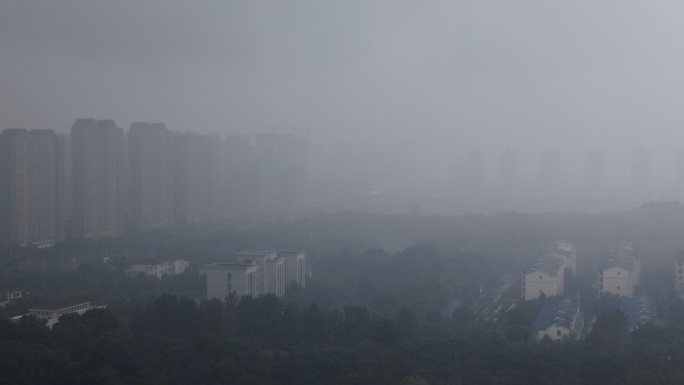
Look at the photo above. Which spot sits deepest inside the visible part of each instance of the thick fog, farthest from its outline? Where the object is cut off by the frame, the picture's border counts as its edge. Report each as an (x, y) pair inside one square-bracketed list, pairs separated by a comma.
[(411, 100)]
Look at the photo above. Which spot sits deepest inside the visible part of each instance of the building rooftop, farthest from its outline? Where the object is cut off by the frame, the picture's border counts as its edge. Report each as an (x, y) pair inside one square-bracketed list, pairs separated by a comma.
[(59, 304), (549, 264), (639, 310), (613, 261), (230, 265), (562, 248), (557, 311)]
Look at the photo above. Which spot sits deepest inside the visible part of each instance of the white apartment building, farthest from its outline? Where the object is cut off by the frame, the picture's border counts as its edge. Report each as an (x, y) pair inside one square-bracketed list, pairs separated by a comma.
[(619, 272), (239, 277), (560, 318), (545, 276), (295, 267), (159, 268), (271, 269)]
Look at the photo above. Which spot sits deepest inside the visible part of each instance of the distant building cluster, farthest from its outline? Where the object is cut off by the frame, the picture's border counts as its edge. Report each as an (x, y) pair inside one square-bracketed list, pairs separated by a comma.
[(548, 187), (100, 182), (619, 273), (254, 273)]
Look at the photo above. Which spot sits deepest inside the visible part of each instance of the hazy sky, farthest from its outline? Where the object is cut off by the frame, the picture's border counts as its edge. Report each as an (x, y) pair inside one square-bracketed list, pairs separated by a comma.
[(455, 75)]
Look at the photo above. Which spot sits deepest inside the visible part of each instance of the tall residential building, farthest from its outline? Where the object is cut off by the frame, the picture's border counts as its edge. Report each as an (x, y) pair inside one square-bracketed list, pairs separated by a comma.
[(641, 174), (595, 171), (680, 175), (96, 147), (475, 173), (31, 186), (509, 171), (551, 173), (216, 178), (190, 178), (150, 176), (240, 185), (280, 169)]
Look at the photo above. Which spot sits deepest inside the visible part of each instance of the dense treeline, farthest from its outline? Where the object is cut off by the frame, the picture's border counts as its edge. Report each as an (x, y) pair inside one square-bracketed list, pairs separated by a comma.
[(176, 340)]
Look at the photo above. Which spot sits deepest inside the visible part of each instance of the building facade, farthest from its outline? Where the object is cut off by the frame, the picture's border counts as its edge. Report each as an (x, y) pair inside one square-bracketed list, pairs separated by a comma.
[(567, 252), (150, 176), (544, 276), (619, 272), (96, 147), (271, 268), (560, 318), (295, 267), (31, 187), (241, 278), (159, 268)]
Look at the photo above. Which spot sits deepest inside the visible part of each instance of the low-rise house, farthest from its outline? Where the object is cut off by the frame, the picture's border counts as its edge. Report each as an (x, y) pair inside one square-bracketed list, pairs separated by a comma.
[(158, 268), (545, 276), (51, 311), (640, 311), (619, 272), (560, 318)]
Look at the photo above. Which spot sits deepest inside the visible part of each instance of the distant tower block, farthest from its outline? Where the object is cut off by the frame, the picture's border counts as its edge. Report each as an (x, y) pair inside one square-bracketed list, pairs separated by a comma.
[(641, 174), (508, 171), (595, 171), (550, 174)]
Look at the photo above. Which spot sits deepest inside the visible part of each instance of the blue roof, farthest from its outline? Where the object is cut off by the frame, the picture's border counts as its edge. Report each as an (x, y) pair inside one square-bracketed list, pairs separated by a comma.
[(549, 264), (639, 311), (557, 311)]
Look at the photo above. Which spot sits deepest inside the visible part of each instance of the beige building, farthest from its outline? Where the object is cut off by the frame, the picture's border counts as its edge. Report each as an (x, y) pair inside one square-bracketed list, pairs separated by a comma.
[(242, 278), (544, 276), (619, 272), (560, 318), (150, 176), (31, 187), (96, 147), (159, 268)]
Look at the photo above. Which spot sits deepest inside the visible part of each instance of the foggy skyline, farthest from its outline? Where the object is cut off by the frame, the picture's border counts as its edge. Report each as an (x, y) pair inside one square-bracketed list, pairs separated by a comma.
[(441, 78)]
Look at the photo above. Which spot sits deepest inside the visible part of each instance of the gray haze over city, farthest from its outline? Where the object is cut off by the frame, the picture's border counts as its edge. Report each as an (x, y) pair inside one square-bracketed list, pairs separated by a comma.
[(392, 96)]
